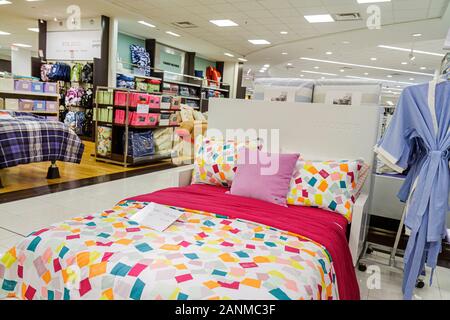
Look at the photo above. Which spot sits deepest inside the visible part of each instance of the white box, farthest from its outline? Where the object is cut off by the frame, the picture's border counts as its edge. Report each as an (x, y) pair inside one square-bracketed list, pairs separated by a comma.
[(6, 84), (12, 104)]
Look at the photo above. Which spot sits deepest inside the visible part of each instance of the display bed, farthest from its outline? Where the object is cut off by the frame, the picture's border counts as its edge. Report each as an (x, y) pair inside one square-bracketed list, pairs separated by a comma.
[(224, 246), (28, 139)]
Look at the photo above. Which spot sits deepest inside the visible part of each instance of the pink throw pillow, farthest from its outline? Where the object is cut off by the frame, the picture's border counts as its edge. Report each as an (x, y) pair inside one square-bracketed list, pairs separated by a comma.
[(264, 176)]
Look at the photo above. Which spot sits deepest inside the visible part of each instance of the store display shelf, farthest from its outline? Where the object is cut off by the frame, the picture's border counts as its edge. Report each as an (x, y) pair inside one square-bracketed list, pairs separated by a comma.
[(151, 158), (139, 76), (183, 83), (150, 109), (29, 93), (38, 112), (189, 98), (216, 89)]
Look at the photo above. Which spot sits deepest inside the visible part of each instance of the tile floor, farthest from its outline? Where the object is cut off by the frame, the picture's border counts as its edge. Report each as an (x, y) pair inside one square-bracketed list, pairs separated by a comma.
[(18, 219)]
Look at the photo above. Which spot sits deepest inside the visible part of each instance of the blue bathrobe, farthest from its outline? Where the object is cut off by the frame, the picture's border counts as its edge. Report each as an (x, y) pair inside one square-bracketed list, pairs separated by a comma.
[(418, 138)]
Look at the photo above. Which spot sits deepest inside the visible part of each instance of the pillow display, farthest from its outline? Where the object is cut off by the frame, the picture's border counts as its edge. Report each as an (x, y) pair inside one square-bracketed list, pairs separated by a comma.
[(327, 185), (253, 181), (216, 160)]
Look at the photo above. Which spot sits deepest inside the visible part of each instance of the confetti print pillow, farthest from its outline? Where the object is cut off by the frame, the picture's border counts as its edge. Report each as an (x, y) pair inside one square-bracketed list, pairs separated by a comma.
[(327, 185), (216, 160)]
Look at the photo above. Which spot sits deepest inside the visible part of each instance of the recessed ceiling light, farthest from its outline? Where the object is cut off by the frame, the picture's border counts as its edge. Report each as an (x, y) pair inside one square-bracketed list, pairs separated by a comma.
[(409, 50), (329, 53), (380, 80), (229, 54), (404, 63), (283, 32), (345, 42), (372, 1), (2, 2), (319, 18), (289, 64), (242, 59), (316, 67), (147, 24), (173, 34), (411, 79), (423, 68), (267, 66), (284, 53), (33, 29), (224, 23), (416, 34), (365, 66), (366, 73), (322, 73), (3, 33), (259, 41), (342, 70), (21, 45), (389, 76), (262, 71), (373, 59)]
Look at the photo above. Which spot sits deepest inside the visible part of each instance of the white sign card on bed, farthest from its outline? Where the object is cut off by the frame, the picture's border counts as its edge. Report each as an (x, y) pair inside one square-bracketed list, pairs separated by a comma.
[(157, 217)]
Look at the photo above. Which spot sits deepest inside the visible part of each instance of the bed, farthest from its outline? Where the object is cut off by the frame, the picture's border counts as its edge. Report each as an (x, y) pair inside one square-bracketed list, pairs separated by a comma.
[(26, 138), (222, 247)]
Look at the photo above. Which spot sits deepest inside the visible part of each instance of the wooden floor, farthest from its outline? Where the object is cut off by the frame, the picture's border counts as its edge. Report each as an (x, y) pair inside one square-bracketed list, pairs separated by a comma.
[(34, 175)]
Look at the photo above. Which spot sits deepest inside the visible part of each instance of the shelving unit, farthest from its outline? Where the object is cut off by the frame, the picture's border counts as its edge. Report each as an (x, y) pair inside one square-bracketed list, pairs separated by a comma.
[(6, 94), (119, 148)]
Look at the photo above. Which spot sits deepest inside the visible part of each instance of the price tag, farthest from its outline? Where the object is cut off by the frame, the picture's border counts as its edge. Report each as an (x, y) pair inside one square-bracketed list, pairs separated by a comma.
[(143, 108)]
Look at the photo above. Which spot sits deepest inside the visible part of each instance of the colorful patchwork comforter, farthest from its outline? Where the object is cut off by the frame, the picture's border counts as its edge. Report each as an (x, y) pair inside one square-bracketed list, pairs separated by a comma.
[(28, 138), (202, 256)]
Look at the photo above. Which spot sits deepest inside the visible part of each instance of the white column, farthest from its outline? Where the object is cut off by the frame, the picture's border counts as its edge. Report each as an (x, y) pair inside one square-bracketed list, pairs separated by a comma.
[(21, 62), (230, 77), (113, 38)]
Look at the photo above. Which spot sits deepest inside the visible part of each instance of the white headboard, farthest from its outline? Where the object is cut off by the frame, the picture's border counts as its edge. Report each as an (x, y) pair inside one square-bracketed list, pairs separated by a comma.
[(317, 131)]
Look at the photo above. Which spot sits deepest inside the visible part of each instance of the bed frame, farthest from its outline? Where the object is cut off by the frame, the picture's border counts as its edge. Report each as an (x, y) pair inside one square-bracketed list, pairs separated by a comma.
[(317, 131)]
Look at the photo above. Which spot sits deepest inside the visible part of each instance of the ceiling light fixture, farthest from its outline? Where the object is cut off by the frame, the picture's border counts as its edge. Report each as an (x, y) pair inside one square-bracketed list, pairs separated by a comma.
[(411, 79), (345, 42), (284, 53), (147, 24), (366, 66), (342, 70), (224, 23), (389, 76), (242, 59), (259, 41), (373, 59), (283, 32), (289, 64), (372, 1), (316, 67), (34, 29), (267, 66), (319, 18), (409, 50), (3, 33), (423, 68), (21, 45), (404, 63), (416, 35), (321, 73), (3, 2), (379, 80), (329, 53), (173, 34), (229, 54)]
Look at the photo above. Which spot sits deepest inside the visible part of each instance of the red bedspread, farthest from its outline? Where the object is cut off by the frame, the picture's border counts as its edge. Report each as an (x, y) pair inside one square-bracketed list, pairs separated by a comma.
[(321, 226)]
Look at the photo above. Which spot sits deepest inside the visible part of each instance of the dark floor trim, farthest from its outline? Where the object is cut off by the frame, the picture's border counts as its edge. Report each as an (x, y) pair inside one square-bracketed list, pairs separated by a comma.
[(69, 185)]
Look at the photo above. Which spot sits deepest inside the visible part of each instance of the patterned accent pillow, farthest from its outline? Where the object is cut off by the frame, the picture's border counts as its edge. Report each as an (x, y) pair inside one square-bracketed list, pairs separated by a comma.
[(327, 185), (216, 160)]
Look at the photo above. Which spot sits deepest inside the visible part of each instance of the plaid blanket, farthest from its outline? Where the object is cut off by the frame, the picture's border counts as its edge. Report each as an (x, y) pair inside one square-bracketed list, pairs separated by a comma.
[(28, 138)]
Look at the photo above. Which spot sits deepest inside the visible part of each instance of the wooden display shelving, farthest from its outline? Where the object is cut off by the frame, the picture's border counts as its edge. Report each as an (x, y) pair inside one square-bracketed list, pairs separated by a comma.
[(15, 94)]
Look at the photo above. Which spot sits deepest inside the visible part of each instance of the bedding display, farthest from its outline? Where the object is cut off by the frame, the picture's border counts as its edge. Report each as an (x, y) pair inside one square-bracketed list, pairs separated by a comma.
[(221, 248), (29, 138)]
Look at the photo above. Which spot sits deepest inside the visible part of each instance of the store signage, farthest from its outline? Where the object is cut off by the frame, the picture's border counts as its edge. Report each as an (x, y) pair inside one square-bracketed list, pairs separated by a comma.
[(74, 45)]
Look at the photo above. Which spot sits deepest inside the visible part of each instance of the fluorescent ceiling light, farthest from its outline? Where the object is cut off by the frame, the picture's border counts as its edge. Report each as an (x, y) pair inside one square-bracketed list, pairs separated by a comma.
[(389, 76), (242, 59), (416, 35), (173, 34), (404, 63), (289, 64), (366, 66), (2, 2), (373, 59), (379, 80), (267, 66), (284, 53), (21, 45), (411, 79), (262, 71), (33, 29), (423, 68), (321, 73), (3, 33), (319, 18), (409, 50), (342, 70), (224, 23), (329, 53), (229, 54), (316, 67), (283, 32), (372, 1), (259, 41), (147, 24)]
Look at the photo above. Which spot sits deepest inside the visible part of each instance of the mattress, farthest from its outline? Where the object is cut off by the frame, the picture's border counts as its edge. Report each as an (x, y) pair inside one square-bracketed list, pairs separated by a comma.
[(223, 247)]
